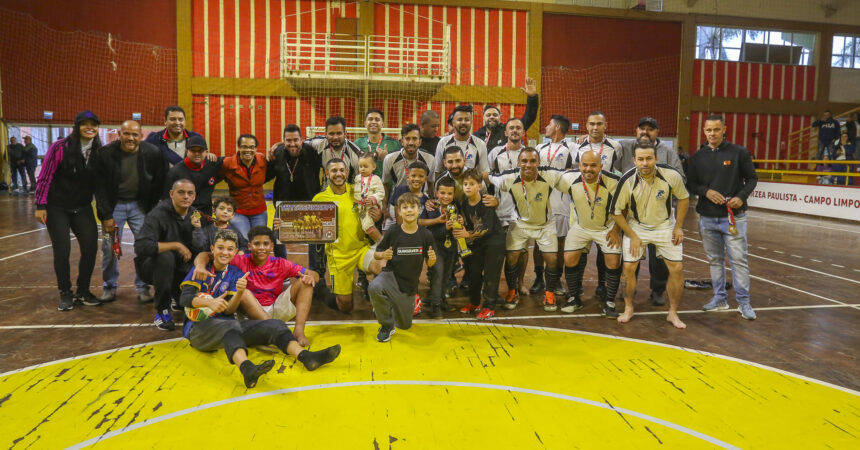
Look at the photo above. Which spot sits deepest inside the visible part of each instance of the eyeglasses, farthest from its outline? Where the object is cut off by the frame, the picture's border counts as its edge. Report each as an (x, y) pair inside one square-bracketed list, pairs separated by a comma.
[(248, 147)]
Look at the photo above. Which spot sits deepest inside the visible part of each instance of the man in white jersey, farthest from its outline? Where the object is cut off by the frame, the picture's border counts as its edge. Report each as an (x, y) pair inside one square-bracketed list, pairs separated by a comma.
[(609, 152), (335, 145), (558, 154), (502, 158), (474, 149), (645, 197), (592, 191), (530, 192)]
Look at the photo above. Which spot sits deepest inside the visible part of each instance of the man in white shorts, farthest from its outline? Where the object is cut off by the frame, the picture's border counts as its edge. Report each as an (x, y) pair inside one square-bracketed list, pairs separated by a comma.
[(530, 192), (592, 191), (558, 154), (645, 197)]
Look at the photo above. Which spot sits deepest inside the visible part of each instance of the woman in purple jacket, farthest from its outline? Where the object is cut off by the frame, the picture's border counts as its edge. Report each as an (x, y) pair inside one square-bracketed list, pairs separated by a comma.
[(64, 194)]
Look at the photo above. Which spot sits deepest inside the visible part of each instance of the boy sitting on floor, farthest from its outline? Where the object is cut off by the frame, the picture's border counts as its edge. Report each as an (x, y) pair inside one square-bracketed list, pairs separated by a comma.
[(223, 296), (266, 281), (405, 246)]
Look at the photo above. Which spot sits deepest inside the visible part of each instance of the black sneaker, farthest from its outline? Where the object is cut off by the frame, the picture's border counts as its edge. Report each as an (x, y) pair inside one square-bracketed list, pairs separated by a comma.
[(164, 321), (572, 304), (657, 299), (609, 311), (87, 299), (537, 287), (436, 312), (445, 306), (600, 293), (175, 306), (384, 334), (464, 285), (67, 301)]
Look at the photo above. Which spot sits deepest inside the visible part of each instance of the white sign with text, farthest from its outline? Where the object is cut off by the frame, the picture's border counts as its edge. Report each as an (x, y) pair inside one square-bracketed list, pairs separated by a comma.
[(825, 201)]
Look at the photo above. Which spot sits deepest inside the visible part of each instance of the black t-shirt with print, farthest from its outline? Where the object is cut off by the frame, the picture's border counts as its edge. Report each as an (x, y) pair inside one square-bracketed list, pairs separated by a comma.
[(480, 217), (410, 250)]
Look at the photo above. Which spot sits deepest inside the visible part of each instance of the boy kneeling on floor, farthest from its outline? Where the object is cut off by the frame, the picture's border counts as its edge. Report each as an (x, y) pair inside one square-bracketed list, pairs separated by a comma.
[(212, 305), (405, 246)]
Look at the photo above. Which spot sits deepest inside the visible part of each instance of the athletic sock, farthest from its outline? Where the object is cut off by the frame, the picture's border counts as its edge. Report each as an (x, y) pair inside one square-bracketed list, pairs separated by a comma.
[(573, 275), (601, 269), (512, 276), (552, 277), (613, 279), (312, 360), (251, 372)]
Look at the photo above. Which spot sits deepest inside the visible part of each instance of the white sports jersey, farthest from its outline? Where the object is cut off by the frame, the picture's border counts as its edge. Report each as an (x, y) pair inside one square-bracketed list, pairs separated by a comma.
[(559, 155)]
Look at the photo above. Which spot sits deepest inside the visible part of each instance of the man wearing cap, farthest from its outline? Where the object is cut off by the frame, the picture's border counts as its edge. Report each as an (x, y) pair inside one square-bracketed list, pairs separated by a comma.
[(647, 128), (723, 175), (203, 173), (493, 131), (172, 140), (474, 149), (130, 179)]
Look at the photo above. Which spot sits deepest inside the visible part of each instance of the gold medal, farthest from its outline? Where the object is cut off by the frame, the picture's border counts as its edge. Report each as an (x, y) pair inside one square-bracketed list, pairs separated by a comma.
[(448, 243), (733, 230)]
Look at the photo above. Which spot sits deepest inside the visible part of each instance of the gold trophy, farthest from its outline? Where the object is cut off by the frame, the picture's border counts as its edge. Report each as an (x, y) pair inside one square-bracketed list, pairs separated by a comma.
[(462, 248)]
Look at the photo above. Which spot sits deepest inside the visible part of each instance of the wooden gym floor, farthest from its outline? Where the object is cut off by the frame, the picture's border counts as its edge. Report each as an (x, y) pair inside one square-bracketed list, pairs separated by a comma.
[(804, 289)]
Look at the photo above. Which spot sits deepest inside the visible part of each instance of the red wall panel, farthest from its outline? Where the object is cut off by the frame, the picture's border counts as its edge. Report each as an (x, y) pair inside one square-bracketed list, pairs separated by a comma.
[(753, 80), (110, 64), (609, 65)]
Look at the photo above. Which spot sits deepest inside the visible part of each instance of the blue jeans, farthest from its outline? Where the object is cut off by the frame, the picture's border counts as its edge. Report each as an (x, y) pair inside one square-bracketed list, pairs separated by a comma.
[(244, 223), (124, 212), (824, 148), (717, 240)]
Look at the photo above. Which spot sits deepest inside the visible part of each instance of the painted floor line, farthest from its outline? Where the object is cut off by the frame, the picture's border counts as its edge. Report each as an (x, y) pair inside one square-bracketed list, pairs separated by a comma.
[(491, 324), (796, 267), (420, 383), (432, 321), (779, 284), (23, 232), (28, 251)]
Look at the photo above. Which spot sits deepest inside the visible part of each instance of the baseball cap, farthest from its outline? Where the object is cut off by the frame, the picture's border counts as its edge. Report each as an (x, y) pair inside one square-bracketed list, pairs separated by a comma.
[(196, 141), (650, 121), (87, 115)]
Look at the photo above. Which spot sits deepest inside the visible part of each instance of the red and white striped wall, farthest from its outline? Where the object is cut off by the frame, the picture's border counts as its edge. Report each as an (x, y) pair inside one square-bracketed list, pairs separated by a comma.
[(765, 135), (753, 80), (489, 47)]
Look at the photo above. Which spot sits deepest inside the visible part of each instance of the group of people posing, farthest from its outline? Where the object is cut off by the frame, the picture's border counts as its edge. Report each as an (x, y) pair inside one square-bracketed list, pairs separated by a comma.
[(404, 204)]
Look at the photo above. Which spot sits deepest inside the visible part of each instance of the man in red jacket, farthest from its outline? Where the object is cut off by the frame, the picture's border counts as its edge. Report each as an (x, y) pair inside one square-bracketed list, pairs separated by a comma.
[(245, 173)]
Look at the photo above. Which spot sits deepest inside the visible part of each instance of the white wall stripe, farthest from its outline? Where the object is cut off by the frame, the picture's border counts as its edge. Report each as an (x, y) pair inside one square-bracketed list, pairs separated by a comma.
[(268, 141), (205, 38), (486, 33), (237, 53), (770, 83), (221, 120), (746, 130), (459, 49), (758, 131), (738, 79), (253, 54), (221, 39), (207, 118), (725, 70), (515, 56), (501, 27)]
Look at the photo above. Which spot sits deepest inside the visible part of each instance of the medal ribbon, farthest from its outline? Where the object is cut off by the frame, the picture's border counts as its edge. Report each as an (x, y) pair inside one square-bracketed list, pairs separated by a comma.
[(591, 204), (365, 187), (731, 214)]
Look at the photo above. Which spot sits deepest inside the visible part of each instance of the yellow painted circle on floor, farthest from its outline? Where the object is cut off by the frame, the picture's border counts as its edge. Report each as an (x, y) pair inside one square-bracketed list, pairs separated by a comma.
[(458, 385)]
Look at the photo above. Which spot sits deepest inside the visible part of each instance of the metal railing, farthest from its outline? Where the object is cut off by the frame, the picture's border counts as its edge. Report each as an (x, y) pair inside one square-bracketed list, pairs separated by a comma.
[(366, 56), (803, 143), (811, 175)]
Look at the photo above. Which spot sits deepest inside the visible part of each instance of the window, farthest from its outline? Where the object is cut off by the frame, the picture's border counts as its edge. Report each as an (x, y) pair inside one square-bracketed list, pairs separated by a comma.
[(766, 46), (846, 52)]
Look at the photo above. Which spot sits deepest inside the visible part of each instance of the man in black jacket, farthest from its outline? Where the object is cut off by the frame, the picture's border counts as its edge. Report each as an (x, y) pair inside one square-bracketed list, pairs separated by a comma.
[(203, 172), (130, 179), (493, 131), (163, 248), (31, 160), (723, 175), (296, 167), (17, 165)]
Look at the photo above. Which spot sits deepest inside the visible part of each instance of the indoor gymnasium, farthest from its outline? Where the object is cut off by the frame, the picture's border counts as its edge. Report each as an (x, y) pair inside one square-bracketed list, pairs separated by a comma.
[(429, 224)]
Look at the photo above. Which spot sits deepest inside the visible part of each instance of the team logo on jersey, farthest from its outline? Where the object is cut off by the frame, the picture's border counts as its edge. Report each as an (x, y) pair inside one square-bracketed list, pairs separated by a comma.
[(539, 196), (660, 193), (211, 181), (468, 156), (598, 200), (405, 251)]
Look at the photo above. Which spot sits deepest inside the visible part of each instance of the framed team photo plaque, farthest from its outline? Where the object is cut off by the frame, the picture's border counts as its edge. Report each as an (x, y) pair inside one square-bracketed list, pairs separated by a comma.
[(307, 222)]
